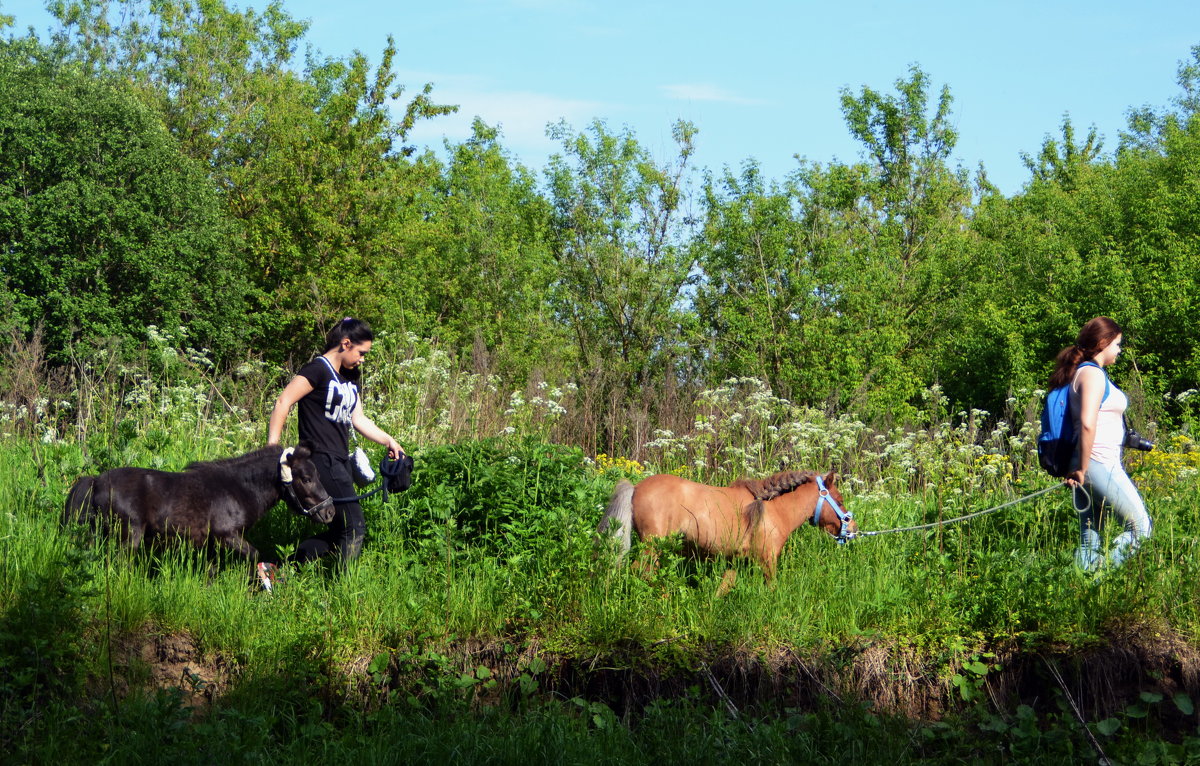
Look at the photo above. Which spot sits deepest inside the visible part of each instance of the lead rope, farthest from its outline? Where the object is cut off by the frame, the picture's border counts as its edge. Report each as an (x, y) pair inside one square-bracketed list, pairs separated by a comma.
[(387, 469), (1075, 501), (963, 518)]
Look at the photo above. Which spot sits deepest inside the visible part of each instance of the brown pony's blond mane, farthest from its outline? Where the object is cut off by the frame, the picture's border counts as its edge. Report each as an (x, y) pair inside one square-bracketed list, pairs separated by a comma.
[(776, 485)]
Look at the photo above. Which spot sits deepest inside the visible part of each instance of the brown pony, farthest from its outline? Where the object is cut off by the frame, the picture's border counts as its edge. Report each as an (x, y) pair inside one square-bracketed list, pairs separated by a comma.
[(751, 518)]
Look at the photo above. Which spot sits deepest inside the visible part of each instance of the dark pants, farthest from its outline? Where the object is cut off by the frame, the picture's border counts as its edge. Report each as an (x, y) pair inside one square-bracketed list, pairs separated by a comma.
[(348, 528)]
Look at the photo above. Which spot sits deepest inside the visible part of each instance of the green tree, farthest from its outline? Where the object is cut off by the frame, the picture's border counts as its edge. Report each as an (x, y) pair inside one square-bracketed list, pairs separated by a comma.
[(324, 184), (899, 233), (618, 242), (1060, 162), (764, 300), (844, 287), (105, 226), (309, 155), (1093, 235), (481, 261), (619, 230), (1157, 189), (1049, 266)]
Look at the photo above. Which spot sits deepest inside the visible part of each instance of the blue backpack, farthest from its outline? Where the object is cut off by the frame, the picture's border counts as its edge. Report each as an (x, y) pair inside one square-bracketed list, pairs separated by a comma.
[(1057, 442)]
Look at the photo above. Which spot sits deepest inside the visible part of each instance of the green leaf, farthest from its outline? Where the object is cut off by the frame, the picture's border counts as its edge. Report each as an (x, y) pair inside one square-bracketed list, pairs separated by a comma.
[(379, 663), (994, 723), (1136, 711), (1108, 726), (527, 684), (1184, 703)]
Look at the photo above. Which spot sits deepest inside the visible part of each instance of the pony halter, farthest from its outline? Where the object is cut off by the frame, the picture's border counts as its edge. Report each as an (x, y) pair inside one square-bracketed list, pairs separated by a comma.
[(843, 515), (285, 476)]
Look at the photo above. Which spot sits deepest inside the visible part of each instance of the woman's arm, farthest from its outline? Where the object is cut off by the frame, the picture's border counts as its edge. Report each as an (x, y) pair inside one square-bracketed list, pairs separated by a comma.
[(365, 426), (1091, 393), (293, 392)]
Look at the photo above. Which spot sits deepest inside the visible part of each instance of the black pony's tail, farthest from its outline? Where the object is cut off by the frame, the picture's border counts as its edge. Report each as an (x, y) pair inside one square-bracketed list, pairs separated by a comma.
[(79, 506), (620, 514)]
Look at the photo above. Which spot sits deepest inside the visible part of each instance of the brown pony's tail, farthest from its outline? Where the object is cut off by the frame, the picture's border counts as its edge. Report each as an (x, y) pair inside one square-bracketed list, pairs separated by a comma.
[(79, 501), (620, 513)]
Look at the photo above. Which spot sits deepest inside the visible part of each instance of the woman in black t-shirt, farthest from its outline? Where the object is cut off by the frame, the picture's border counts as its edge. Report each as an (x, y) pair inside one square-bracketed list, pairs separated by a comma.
[(326, 390)]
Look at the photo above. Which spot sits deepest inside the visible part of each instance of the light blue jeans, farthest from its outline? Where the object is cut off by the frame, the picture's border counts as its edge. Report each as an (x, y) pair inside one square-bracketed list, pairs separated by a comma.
[(1108, 488)]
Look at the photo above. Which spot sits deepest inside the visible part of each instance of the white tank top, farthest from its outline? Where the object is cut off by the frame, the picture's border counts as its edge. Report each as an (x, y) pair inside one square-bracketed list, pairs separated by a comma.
[(1110, 422)]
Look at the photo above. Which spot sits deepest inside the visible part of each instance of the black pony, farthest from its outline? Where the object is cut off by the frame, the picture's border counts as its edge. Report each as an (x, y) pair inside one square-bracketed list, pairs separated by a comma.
[(216, 500)]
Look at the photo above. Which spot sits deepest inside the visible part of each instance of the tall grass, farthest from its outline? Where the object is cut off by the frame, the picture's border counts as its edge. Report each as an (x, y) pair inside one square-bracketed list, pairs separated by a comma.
[(488, 561)]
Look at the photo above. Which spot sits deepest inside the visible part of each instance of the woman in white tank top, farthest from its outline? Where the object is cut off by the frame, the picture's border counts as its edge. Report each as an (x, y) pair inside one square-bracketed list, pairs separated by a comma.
[(1099, 479)]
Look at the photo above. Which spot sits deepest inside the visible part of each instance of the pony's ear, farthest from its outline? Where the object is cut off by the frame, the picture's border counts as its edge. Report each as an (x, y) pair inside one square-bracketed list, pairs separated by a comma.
[(304, 449), (831, 478)]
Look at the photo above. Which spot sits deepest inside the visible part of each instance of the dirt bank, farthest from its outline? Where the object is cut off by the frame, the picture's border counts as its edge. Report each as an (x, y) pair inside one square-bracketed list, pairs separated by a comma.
[(893, 679)]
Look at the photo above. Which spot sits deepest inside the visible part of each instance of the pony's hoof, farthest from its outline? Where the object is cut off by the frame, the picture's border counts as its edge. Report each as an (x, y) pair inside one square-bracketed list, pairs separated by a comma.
[(728, 580)]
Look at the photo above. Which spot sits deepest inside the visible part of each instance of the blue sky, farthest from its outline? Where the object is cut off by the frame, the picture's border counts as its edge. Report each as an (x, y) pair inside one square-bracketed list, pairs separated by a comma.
[(762, 78)]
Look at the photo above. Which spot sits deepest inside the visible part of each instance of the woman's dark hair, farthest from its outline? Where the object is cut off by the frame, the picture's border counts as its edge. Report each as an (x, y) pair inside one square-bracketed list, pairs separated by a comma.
[(356, 330), (1093, 338)]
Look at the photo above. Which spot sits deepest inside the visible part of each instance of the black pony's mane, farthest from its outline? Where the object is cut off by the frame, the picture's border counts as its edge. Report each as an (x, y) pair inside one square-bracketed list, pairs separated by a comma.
[(238, 463), (777, 484)]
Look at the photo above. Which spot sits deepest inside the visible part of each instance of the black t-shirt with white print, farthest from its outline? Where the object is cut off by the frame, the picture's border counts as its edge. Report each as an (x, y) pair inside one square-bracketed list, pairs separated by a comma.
[(324, 413)]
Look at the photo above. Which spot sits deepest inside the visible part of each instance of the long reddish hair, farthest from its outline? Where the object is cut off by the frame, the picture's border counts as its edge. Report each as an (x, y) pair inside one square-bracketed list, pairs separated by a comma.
[(1093, 338)]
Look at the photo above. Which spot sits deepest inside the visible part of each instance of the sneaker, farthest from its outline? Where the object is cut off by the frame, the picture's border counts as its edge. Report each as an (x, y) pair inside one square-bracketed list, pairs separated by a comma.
[(266, 574)]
